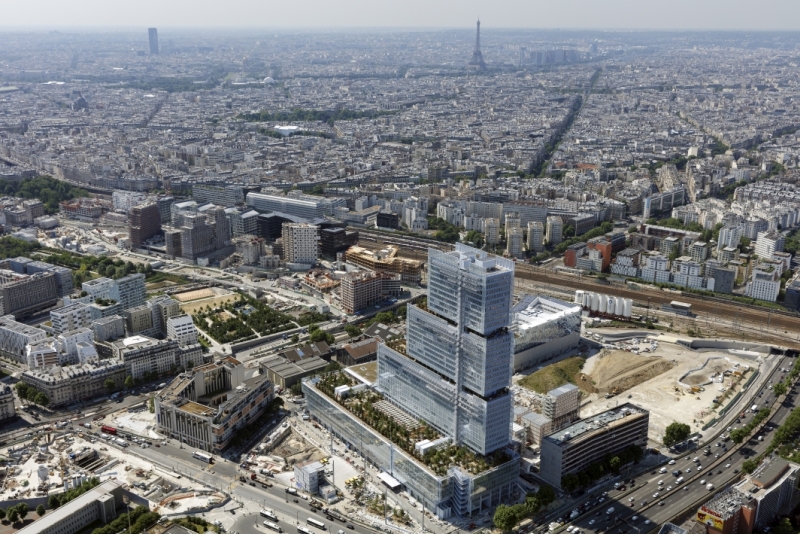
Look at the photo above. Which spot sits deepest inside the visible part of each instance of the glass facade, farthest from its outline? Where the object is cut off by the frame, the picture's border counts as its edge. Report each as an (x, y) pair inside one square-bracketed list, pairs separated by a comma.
[(457, 491)]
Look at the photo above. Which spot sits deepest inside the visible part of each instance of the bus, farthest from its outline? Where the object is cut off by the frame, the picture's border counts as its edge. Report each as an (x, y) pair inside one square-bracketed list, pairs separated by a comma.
[(303, 530), (269, 514), (200, 455), (108, 430), (315, 523), (272, 526)]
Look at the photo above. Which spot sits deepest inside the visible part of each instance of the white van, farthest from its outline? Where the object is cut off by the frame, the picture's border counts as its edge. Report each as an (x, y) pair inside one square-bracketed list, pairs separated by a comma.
[(679, 480)]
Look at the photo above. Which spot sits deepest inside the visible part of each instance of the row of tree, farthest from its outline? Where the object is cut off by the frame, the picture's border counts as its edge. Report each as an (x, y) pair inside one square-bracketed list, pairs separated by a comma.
[(611, 463), (506, 517), (31, 394), (60, 499), (17, 513), (140, 519)]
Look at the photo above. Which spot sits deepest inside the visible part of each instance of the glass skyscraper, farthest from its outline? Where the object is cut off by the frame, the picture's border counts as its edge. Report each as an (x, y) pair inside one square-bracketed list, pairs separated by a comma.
[(455, 369)]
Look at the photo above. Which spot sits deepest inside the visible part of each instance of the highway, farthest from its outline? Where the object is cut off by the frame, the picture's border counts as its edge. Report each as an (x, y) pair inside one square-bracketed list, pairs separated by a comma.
[(649, 501)]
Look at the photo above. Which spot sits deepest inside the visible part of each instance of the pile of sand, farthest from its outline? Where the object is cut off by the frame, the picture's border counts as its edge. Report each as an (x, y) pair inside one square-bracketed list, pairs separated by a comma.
[(623, 370)]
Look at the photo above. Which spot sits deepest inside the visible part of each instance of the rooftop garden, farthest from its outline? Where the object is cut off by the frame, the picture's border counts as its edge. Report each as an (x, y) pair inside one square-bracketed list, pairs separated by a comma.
[(363, 405)]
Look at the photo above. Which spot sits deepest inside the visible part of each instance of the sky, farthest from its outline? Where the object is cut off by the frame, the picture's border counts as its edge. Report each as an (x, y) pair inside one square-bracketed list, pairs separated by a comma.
[(295, 14)]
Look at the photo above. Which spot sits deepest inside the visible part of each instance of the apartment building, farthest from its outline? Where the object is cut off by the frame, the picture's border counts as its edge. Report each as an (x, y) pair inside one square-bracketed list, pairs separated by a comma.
[(66, 385), (7, 410), (583, 443), (141, 354), (386, 260), (491, 229), (300, 243), (514, 241), (70, 317), (181, 329), (363, 289), (535, 237), (144, 222), (562, 406), (108, 328), (14, 337), (206, 406), (554, 230)]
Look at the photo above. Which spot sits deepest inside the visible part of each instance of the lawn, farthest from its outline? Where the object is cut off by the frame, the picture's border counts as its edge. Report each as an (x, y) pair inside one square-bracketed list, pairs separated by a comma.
[(554, 375)]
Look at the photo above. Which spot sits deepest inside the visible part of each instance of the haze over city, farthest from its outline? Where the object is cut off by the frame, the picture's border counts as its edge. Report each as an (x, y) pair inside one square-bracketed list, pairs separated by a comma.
[(399, 267)]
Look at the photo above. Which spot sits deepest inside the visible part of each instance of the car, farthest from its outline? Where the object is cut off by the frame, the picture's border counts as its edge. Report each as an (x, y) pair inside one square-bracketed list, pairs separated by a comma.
[(253, 484), (727, 466), (644, 503), (630, 499), (592, 522), (671, 462), (703, 482), (661, 503), (646, 521), (655, 495), (669, 488), (350, 526), (699, 467), (688, 469), (634, 518), (735, 470), (686, 488), (716, 456)]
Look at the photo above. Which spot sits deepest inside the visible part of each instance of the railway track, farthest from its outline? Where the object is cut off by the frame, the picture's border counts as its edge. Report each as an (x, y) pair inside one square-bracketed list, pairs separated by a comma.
[(776, 321)]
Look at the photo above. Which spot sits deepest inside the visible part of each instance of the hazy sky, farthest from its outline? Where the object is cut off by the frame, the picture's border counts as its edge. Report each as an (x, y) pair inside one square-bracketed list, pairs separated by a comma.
[(600, 14)]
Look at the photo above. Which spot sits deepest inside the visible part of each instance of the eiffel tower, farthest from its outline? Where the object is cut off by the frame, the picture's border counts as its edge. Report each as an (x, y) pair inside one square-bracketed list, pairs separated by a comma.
[(477, 57)]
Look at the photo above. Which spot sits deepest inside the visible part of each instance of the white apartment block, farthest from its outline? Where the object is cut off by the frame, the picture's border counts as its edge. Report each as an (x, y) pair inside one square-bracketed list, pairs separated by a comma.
[(764, 286), (512, 221), (71, 317), (554, 230), (769, 243), (729, 236), (514, 240), (492, 230), (14, 337), (181, 328), (535, 237), (300, 243)]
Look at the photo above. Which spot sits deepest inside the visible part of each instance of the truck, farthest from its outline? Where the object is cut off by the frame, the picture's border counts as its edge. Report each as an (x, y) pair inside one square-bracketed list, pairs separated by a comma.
[(575, 513), (709, 486), (754, 408), (610, 511), (121, 442)]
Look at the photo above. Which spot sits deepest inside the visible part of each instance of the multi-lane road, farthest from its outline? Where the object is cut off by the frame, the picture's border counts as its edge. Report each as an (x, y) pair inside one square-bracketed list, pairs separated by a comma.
[(644, 500)]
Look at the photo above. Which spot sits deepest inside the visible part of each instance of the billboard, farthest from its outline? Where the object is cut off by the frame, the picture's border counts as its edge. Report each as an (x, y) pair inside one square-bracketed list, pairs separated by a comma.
[(709, 518)]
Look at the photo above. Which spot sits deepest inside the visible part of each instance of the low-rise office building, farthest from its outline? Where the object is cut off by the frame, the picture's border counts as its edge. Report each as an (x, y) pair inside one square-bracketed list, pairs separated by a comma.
[(70, 317), (581, 444), (285, 373), (543, 327), (98, 505), (206, 406), (24, 295)]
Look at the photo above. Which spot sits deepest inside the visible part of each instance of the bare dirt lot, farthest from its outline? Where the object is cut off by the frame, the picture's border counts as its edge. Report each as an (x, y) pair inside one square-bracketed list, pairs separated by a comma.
[(619, 370), (216, 298), (651, 381), (296, 449)]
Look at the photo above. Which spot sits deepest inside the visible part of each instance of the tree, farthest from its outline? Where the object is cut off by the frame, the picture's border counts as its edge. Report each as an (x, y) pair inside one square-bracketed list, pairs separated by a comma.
[(738, 435), (22, 510), (505, 518), (129, 383), (569, 231), (110, 385), (784, 526), (40, 511), (295, 338), (779, 389), (352, 330), (2, 514), (53, 502), (615, 463), (748, 466), (675, 433), (22, 390), (41, 399), (151, 405), (12, 515)]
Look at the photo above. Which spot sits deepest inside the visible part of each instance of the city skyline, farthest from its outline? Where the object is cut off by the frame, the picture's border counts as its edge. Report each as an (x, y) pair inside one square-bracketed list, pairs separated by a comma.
[(510, 14)]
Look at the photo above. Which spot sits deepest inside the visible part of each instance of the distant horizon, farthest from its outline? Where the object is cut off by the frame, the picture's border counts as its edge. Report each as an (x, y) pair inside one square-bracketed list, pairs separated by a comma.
[(424, 15)]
